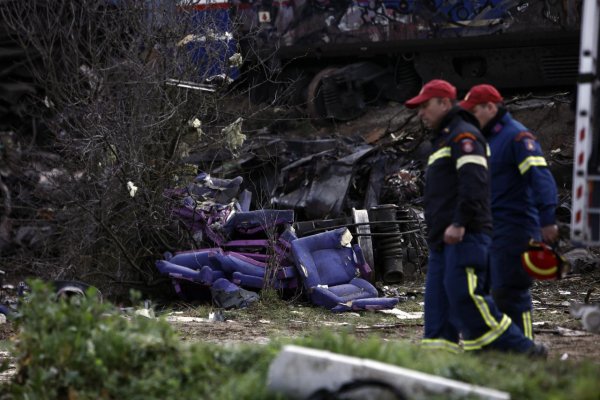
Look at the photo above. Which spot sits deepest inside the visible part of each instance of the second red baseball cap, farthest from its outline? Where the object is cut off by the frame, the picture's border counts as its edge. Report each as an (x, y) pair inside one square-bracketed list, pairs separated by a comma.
[(480, 94), (435, 88)]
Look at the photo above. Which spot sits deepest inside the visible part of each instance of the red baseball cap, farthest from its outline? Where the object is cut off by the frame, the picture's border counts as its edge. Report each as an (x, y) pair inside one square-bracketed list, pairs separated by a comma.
[(435, 88), (480, 94)]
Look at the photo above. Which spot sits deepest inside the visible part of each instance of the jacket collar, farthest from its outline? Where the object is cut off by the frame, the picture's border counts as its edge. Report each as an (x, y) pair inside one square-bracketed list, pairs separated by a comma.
[(495, 124), (454, 116)]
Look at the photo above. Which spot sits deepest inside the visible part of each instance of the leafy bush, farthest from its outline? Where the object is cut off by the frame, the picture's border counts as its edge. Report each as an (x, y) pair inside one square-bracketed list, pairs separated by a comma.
[(87, 350)]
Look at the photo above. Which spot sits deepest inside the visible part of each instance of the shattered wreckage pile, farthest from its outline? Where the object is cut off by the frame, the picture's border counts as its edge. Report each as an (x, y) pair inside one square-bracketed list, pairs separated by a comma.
[(329, 216), (324, 231), (260, 248)]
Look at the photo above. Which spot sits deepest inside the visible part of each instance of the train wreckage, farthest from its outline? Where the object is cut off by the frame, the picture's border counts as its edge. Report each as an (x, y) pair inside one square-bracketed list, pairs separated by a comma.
[(331, 259), (336, 57)]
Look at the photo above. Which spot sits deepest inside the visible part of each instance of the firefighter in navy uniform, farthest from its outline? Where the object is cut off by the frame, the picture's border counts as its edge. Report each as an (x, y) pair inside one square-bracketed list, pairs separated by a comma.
[(524, 200), (459, 221)]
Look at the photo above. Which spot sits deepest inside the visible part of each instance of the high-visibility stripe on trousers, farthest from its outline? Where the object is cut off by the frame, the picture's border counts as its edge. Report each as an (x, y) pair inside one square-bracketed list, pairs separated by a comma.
[(455, 302)]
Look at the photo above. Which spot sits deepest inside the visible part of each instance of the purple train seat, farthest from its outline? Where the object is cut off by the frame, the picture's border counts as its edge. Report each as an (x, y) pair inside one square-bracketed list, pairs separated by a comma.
[(194, 259), (204, 275), (248, 272), (331, 268), (251, 253), (203, 218), (283, 246), (196, 266)]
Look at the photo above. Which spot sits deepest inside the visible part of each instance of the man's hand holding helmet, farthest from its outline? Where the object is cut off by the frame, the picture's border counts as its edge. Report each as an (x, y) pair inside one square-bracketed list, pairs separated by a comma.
[(542, 262)]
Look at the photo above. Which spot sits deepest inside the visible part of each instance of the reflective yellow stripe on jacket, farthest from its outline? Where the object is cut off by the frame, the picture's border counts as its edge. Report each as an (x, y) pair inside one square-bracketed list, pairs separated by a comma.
[(532, 161), (471, 159), (441, 153)]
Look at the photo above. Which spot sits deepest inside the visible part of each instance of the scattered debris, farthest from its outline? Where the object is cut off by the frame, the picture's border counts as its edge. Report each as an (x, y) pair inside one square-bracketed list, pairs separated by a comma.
[(378, 327), (589, 314), (404, 314), (184, 319), (581, 260), (226, 295), (251, 249), (563, 332), (11, 295), (145, 312), (216, 316), (131, 188), (233, 134), (68, 289)]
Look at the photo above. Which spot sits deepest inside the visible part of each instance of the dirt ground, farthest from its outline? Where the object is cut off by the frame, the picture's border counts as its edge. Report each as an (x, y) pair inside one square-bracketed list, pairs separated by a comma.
[(553, 323)]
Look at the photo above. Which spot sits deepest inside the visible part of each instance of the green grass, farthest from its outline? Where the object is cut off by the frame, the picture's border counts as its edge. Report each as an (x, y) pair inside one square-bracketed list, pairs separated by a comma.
[(88, 350)]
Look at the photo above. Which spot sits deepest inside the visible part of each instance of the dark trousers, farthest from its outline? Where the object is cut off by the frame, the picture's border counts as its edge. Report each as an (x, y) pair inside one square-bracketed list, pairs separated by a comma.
[(455, 303), (509, 282)]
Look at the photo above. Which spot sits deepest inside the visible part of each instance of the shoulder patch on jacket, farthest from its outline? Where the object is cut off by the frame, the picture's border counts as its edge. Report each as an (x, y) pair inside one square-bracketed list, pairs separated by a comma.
[(464, 135), (525, 135), (467, 145)]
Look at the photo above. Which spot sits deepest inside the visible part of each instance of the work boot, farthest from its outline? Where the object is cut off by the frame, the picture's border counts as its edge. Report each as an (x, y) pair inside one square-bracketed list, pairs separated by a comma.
[(537, 351)]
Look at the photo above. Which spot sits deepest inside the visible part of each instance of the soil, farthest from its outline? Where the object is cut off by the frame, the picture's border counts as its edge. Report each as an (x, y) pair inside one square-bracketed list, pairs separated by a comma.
[(554, 326)]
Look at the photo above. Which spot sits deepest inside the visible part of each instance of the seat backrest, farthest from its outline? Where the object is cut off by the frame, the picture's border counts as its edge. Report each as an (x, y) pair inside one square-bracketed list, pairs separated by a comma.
[(325, 258), (194, 259)]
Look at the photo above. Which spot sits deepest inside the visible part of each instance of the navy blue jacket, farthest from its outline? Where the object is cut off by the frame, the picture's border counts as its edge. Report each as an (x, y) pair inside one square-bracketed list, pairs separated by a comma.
[(524, 193), (457, 180)]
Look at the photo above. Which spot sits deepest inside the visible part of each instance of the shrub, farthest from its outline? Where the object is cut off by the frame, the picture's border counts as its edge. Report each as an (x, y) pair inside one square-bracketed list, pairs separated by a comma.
[(83, 349)]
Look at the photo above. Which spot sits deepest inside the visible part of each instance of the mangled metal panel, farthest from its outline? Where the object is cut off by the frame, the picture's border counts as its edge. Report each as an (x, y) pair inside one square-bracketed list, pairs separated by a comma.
[(508, 43), (333, 22), (325, 195)]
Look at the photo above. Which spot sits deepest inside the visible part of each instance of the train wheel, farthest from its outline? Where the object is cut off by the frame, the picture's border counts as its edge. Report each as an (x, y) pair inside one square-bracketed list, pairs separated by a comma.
[(336, 93), (315, 103)]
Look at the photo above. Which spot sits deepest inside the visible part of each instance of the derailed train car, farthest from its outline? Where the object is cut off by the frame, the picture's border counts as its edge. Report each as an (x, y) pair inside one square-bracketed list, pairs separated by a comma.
[(336, 56)]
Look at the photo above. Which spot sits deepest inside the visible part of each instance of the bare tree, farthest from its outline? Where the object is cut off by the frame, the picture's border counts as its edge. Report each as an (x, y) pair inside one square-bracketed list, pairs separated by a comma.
[(125, 97)]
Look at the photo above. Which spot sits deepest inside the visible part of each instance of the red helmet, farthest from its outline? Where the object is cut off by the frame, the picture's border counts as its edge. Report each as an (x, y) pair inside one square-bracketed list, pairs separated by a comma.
[(543, 262)]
